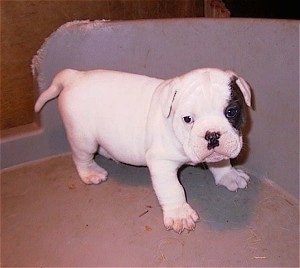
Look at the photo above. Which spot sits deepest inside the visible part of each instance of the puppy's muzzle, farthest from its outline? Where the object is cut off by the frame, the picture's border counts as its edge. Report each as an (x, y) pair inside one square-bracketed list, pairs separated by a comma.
[(213, 139)]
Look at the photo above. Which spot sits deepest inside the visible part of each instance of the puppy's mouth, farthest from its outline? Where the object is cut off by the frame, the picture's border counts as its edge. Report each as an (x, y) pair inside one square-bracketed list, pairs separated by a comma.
[(208, 156), (205, 153)]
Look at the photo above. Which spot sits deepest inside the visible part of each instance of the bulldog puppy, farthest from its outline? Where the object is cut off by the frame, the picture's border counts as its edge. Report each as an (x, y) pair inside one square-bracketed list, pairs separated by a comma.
[(163, 124)]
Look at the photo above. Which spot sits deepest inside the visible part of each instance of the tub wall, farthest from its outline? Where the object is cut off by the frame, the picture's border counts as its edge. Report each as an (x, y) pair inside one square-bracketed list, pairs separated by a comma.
[(21, 38), (264, 52)]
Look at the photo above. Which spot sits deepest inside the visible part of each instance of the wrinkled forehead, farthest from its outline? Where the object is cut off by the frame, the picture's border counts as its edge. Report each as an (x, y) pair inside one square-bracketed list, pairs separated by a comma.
[(206, 90), (207, 75)]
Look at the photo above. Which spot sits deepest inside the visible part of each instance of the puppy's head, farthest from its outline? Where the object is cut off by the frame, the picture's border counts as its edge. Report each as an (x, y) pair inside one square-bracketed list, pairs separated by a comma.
[(207, 109)]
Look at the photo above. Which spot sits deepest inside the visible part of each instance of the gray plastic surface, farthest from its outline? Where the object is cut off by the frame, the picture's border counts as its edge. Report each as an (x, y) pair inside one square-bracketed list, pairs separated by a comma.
[(264, 52)]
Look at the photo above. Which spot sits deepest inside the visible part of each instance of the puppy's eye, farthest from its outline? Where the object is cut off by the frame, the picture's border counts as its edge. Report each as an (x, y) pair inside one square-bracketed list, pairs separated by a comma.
[(188, 119), (231, 112)]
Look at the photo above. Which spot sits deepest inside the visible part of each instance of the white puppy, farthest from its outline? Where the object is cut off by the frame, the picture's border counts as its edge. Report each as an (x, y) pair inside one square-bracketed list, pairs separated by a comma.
[(139, 120)]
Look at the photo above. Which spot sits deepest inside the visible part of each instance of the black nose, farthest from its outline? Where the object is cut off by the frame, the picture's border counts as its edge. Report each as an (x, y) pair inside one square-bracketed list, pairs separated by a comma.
[(213, 139)]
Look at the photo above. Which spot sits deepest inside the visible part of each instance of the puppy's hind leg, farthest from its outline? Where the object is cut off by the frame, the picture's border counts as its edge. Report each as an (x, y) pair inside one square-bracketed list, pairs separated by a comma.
[(83, 156)]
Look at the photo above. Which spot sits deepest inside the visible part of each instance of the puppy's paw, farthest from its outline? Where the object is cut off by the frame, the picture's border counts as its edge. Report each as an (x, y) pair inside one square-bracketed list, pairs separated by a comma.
[(180, 218), (93, 174), (234, 179)]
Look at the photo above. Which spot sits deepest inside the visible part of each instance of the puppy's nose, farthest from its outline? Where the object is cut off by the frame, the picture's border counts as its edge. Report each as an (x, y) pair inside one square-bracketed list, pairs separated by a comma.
[(213, 139)]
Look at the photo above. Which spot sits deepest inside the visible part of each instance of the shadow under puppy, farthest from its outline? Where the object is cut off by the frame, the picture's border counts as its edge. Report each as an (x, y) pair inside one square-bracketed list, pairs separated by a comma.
[(163, 124)]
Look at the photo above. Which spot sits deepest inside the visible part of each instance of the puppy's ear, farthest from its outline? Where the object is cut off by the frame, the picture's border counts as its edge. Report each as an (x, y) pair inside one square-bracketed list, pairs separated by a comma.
[(168, 91), (244, 87)]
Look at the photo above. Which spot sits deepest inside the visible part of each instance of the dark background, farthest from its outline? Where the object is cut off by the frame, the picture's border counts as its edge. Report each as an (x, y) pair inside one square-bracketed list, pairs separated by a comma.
[(287, 9)]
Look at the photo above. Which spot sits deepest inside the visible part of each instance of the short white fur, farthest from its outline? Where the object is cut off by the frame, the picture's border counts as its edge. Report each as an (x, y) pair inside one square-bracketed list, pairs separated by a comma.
[(138, 120)]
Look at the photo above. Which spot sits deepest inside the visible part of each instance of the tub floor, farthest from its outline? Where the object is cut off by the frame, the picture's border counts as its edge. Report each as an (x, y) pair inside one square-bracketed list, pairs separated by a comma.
[(50, 218)]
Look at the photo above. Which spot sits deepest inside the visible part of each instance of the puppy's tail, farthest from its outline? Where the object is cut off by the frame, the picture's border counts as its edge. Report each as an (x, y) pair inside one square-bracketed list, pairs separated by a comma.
[(55, 88)]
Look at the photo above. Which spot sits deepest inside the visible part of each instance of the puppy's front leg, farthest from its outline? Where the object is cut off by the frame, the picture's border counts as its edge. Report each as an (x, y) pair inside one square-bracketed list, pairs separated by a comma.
[(227, 175), (178, 214)]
